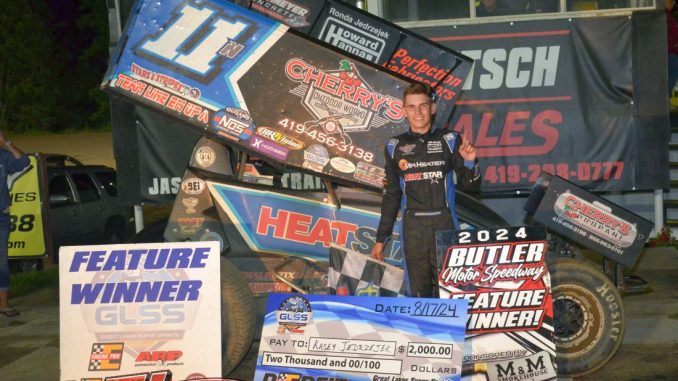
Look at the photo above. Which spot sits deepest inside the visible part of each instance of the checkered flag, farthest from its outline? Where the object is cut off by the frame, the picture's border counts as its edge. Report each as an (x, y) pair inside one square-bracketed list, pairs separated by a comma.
[(94, 362), (352, 273)]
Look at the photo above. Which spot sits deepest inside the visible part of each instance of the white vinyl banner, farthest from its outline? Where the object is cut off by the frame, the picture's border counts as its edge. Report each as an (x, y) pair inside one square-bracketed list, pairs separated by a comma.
[(140, 309)]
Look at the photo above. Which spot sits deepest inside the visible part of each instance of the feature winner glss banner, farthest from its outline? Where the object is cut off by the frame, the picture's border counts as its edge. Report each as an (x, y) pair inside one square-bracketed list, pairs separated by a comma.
[(503, 276), (245, 80), (341, 338), (145, 312)]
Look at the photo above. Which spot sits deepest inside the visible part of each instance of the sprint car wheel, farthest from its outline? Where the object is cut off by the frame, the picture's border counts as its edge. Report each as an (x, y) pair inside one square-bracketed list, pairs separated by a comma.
[(238, 316), (589, 317)]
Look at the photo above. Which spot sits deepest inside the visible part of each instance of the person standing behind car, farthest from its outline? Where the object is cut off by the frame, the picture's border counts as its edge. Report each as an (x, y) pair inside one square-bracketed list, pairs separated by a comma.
[(419, 182), (12, 160)]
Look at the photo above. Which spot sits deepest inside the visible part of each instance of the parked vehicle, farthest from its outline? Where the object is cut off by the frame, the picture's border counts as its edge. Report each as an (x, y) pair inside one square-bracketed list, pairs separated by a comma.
[(83, 204)]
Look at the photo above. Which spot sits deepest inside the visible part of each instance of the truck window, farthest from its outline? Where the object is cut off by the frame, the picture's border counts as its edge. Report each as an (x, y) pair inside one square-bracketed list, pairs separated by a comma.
[(108, 180), (86, 188), (59, 186)]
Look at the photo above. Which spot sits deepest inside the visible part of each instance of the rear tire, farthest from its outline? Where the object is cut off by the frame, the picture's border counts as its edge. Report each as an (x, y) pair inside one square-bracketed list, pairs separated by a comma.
[(589, 317), (238, 316)]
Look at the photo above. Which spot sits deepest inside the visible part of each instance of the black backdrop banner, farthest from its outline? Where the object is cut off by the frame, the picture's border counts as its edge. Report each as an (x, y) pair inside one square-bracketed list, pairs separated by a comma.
[(565, 97)]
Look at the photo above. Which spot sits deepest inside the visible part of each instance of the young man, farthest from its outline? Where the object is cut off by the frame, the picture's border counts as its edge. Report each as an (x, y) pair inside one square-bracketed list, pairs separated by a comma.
[(419, 165), (12, 160)]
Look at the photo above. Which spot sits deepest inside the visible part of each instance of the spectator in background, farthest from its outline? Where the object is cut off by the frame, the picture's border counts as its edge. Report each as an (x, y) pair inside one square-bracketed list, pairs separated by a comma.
[(672, 41), (492, 8), (12, 160)]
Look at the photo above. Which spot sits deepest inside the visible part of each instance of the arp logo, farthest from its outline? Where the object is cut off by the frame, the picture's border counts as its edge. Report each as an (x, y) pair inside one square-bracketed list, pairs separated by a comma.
[(197, 40), (158, 356)]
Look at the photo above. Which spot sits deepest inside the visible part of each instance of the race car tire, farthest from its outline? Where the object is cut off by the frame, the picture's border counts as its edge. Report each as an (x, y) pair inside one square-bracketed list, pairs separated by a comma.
[(238, 312), (589, 317)]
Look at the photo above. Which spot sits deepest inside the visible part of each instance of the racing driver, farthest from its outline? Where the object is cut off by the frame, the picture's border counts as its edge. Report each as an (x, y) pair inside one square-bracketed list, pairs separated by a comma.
[(419, 182)]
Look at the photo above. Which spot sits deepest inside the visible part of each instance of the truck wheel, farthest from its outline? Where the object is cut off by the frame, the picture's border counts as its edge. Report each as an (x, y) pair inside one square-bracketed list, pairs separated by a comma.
[(238, 316), (589, 317)]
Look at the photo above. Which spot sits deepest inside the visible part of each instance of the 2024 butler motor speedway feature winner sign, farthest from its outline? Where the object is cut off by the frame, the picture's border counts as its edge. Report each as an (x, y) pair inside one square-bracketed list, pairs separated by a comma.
[(341, 338), (247, 80), (503, 276)]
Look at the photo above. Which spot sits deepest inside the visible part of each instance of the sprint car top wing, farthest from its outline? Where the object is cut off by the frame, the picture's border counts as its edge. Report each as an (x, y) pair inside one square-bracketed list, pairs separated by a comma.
[(253, 83)]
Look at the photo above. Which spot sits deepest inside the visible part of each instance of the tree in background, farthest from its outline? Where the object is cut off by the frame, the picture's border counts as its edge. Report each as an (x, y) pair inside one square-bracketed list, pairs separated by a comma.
[(29, 95), (53, 56)]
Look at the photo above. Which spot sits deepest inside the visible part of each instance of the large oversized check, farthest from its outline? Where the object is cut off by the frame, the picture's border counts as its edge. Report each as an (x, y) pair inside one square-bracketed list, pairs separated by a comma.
[(324, 337)]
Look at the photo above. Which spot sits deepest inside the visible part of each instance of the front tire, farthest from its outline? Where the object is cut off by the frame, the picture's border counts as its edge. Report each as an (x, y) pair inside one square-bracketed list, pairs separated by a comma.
[(589, 317), (238, 316)]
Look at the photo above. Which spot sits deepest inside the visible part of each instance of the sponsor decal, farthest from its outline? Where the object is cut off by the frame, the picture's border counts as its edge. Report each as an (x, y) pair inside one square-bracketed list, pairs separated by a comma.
[(434, 176), (370, 174), (293, 314), (165, 81), (163, 99), (286, 11), (595, 218), (279, 137), (450, 137), (190, 203), (422, 164), (316, 157), (407, 148), (164, 185), (342, 98), (269, 149), (434, 146), (158, 358), (106, 356), (231, 128), (190, 225), (338, 30), (537, 367), (205, 156), (368, 290), (342, 165), (193, 185), (403, 164), (239, 113)]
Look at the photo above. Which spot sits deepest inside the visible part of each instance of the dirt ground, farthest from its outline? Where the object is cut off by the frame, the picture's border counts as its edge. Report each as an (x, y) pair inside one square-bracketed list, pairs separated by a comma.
[(89, 148)]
